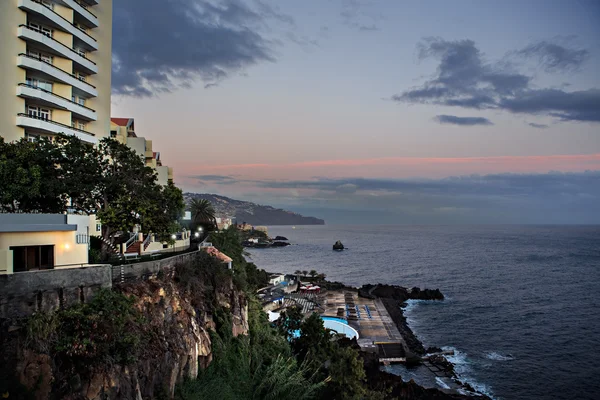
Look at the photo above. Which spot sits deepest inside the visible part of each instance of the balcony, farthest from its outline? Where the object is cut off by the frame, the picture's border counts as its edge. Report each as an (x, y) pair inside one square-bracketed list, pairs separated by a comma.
[(55, 47), (91, 2), (49, 127), (82, 11), (55, 74), (46, 98), (55, 19)]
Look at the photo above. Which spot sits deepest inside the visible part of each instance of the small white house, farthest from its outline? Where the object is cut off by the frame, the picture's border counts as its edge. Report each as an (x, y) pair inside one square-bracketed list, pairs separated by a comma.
[(276, 279)]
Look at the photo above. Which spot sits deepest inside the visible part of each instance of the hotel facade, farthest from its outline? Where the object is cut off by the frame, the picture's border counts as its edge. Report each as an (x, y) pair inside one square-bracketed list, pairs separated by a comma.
[(123, 130), (55, 68)]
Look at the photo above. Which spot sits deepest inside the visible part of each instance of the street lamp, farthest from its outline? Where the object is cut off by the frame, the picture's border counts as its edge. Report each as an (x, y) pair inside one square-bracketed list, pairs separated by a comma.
[(200, 229), (196, 234)]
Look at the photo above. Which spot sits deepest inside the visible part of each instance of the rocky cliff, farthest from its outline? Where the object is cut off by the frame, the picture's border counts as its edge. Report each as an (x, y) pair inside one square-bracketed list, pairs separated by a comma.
[(173, 317)]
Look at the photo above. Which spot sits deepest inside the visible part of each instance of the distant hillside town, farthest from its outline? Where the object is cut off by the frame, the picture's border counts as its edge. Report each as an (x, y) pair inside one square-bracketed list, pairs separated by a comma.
[(240, 211)]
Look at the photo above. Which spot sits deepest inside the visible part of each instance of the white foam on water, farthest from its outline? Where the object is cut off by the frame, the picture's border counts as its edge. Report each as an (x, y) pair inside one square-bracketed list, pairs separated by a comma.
[(463, 367), (492, 355), (441, 383)]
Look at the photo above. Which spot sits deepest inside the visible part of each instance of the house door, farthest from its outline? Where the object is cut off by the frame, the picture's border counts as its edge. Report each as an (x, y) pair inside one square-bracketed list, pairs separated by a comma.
[(31, 258)]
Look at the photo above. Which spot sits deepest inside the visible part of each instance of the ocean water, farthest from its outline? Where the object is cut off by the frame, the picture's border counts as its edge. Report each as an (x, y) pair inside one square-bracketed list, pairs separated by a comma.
[(522, 308)]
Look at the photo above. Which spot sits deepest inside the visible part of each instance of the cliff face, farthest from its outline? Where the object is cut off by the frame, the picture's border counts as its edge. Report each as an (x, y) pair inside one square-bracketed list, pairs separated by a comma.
[(178, 345)]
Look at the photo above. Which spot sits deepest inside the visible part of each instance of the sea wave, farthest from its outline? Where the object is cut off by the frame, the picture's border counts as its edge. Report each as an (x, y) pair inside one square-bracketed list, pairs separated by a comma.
[(441, 383), (464, 368), (492, 355)]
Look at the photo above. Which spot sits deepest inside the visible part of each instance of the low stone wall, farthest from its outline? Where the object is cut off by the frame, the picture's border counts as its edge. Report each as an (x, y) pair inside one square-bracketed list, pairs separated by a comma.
[(24, 293)]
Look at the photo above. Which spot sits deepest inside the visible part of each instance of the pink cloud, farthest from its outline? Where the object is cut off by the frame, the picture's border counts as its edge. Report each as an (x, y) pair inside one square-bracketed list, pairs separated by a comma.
[(397, 167)]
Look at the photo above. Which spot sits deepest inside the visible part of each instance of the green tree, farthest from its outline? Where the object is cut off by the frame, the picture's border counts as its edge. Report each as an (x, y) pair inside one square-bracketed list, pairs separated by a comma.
[(29, 177), (203, 213), (313, 273), (109, 180), (290, 322), (314, 341), (164, 209), (346, 374)]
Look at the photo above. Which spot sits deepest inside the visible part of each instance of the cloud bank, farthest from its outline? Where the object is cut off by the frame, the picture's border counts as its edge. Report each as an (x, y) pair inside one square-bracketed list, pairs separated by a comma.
[(160, 45), (553, 197), (465, 79)]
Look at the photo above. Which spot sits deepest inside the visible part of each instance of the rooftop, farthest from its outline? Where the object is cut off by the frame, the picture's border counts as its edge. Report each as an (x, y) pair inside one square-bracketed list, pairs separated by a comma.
[(35, 223), (217, 254)]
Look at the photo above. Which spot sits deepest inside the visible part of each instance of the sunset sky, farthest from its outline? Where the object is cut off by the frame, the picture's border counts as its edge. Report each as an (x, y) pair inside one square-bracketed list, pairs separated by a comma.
[(362, 111)]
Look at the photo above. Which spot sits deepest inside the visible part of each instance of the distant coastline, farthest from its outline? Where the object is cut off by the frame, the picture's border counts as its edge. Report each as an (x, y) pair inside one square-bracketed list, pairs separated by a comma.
[(252, 213)]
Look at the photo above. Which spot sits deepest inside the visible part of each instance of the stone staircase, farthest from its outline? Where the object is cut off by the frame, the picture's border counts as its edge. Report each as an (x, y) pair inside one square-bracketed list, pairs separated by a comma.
[(134, 247)]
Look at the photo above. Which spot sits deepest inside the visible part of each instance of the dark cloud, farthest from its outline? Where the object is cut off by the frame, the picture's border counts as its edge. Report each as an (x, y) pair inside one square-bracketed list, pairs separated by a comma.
[(554, 57), (465, 79), (539, 126), (159, 45), (216, 179), (464, 121), (581, 105)]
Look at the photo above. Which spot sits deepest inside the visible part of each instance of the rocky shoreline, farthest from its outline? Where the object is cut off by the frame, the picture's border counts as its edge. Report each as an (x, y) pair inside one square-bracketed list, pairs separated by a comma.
[(394, 298)]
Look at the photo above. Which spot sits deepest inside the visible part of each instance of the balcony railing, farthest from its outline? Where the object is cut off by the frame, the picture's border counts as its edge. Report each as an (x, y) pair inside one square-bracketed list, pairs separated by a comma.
[(66, 20), (85, 7), (54, 40), (56, 95), (46, 119), (55, 67)]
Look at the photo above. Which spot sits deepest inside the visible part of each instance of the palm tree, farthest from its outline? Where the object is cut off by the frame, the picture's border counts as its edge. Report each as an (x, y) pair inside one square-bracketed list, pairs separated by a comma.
[(203, 212), (312, 273), (304, 272)]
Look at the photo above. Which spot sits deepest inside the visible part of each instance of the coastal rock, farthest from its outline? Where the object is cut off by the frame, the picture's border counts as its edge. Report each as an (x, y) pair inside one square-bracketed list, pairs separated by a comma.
[(281, 238), (279, 244), (396, 388)]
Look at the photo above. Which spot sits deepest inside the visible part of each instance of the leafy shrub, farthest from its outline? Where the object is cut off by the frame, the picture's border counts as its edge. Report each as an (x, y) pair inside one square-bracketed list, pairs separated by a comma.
[(107, 330)]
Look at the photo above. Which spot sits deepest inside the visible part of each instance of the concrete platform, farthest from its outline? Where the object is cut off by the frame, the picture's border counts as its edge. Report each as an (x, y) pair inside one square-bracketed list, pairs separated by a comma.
[(369, 317)]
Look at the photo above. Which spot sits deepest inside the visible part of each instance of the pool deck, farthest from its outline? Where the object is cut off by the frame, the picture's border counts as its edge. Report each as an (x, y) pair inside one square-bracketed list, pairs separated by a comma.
[(375, 330)]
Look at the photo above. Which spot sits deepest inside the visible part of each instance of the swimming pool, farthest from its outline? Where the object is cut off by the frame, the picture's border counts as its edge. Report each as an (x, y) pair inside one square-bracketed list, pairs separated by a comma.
[(341, 326), (338, 325)]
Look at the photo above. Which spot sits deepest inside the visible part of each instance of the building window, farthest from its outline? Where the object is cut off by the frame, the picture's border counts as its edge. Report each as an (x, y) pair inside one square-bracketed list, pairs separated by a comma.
[(79, 26), (41, 56), (78, 100), (78, 124), (80, 76), (31, 258), (80, 51), (39, 84), (113, 134), (41, 28), (30, 137), (39, 112), (98, 227)]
